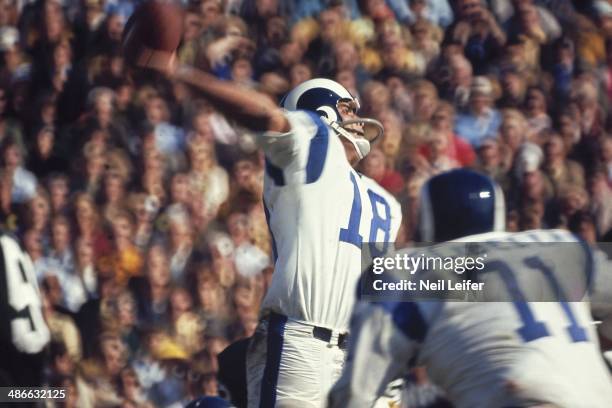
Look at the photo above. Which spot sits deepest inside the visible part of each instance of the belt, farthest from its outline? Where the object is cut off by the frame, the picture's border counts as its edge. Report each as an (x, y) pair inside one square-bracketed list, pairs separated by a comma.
[(324, 334), (320, 333)]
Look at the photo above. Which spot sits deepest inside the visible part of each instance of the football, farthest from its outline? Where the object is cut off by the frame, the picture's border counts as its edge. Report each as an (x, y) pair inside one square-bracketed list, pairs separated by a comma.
[(153, 33)]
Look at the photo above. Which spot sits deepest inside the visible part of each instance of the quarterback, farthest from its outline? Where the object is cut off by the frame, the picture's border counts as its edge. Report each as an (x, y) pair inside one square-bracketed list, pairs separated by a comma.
[(321, 213)]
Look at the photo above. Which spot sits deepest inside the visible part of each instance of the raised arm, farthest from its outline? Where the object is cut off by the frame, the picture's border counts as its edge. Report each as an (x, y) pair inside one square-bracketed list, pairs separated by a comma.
[(146, 46), (251, 109)]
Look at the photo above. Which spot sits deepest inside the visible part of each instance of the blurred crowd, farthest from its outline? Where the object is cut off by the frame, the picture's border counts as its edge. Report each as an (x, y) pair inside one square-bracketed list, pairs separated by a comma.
[(140, 205)]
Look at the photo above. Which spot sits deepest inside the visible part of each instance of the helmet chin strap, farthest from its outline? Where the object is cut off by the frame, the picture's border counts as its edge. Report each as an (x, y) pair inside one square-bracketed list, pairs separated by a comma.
[(361, 145)]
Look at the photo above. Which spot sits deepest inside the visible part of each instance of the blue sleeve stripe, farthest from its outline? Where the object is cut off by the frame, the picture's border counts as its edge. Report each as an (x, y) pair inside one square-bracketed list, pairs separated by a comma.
[(275, 173), (318, 150)]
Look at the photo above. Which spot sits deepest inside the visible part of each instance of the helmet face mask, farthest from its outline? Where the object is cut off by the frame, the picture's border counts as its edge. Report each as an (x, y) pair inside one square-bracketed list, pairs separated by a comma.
[(371, 128), (338, 108)]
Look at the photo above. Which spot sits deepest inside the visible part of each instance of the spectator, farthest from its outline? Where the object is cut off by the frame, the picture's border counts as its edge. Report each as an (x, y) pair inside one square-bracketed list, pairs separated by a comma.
[(209, 181), (10, 129), (565, 65), (560, 171), (86, 270), (583, 225), (301, 72), (585, 94), (392, 138), (21, 181), (400, 96), (477, 31), (490, 161), (126, 259), (89, 225), (603, 13), (187, 328), (102, 373), (425, 100), (59, 188), (376, 98), (514, 88), (33, 245), (168, 138), (145, 209), (601, 202), (210, 296), (39, 212), (536, 109), (114, 192), (153, 292), (398, 57), (131, 389), (571, 200), (347, 59), (427, 39), (247, 189), (148, 369), (513, 133), (537, 23), (60, 250), (64, 374), (438, 147), (123, 320), (436, 12), (457, 149), (16, 64), (61, 326), (531, 201), (93, 161), (180, 242), (569, 129), (455, 76), (481, 120), (376, 167), (80, 283)]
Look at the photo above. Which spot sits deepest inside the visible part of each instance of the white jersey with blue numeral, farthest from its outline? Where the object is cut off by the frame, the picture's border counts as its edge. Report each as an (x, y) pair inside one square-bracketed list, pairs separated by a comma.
[(320, 212), (493, 354)]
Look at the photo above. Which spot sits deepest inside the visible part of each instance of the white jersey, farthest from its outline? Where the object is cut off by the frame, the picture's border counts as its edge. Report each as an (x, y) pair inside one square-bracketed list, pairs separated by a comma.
[(320, 212), (491, 354)]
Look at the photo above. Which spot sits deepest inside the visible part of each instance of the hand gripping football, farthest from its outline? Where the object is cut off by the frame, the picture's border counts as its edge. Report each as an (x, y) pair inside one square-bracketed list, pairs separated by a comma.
[(153, 33)]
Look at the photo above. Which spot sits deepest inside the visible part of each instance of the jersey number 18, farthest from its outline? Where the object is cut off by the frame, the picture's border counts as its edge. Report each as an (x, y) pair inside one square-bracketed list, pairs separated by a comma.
[(351, 234)]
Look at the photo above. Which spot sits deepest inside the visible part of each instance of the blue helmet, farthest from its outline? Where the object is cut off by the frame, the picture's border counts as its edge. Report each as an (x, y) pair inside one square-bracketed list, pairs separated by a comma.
[(459, 203), (209, 402), (321, 96)]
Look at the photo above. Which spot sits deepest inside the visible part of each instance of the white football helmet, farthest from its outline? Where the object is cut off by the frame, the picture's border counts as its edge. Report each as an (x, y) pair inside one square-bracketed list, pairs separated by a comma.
[(322, 96)]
